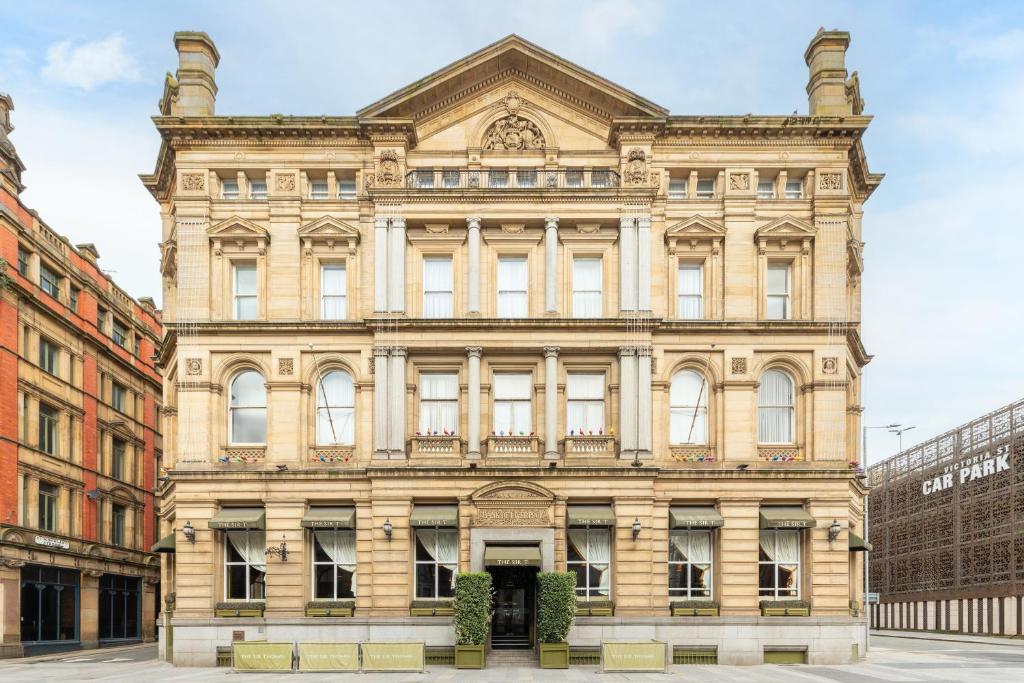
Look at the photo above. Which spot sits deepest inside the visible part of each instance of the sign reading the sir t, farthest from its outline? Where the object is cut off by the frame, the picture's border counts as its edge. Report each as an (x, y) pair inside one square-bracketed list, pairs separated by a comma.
[(970, 469)]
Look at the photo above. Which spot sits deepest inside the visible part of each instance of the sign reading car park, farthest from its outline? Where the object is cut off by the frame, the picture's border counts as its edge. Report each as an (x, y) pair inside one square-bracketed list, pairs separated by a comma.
[(970, 469)]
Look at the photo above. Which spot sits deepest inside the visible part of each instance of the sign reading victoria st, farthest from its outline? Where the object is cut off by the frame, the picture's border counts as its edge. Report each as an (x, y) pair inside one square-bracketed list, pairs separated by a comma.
[(970, 469)]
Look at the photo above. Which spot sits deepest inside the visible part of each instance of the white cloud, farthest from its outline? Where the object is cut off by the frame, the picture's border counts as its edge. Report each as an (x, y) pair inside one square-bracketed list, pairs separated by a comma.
[(90, 64), (604, 21), (14, 62)]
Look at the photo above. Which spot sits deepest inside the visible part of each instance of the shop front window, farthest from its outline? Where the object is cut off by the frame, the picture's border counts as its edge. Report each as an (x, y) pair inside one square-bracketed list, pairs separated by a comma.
[(245, 565), (589, 555), (120, 605), (689, 564), (49, 604), (334, 564), (779, 564), (437, 561)]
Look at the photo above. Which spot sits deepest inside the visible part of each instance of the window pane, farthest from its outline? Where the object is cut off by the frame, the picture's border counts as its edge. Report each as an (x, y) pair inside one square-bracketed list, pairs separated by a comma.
[(677, 579), (324, 582), (777, 308), (245, 308), (586, 274), (346, 583), (245, 280), (248, 390), (778, 278), (236, 588), (249, 425), (512, 386), (585, 386), (426, 575), (333, 280)]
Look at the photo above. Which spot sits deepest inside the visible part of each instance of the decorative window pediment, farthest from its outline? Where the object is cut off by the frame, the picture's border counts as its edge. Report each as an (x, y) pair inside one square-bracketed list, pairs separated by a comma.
[(786, 228), (692, 232), (330, 232), (239, 232)]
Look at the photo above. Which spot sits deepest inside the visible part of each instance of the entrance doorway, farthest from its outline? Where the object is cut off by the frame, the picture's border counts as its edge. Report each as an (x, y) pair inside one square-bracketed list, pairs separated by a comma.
[(512, 626)]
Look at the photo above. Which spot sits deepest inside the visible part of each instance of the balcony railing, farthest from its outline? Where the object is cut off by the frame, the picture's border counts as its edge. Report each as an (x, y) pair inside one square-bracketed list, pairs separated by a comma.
[(512, 446), (512, 179), (436, 446), (589, 446)]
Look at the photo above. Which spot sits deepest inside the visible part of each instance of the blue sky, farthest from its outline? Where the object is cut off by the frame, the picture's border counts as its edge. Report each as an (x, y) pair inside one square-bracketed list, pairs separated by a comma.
[(945, 81)]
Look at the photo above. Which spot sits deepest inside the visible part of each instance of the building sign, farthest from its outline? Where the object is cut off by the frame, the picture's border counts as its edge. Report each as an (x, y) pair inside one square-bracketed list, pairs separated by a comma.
[(262, 656), (648, 655), (51, 542), (328, 657), (393, 656), (970, 469)]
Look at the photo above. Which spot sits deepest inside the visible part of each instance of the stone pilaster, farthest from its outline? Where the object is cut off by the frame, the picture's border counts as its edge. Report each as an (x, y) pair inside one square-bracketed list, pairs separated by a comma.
[(380, 270), (551, 402), (551, 265), (627, 402), (473, 287), (627, 264), (396, 401), (473, 436), (643, 260), (396, 268), (381, 377), (644, 443)]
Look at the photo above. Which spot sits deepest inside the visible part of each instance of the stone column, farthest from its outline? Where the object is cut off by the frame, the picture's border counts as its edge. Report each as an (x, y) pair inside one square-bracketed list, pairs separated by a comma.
[(396, 267), (644, 443), (381, 377), (380, 270), (473, 433), (627, 402), (396, 399), (551, 403), (627, 264), (643, 261), (89, 608), (551, 265), (473, 288)]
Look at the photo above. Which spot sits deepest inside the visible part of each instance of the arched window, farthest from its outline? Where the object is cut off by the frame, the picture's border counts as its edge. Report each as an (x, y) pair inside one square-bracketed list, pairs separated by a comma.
[(248, 408), (688, 401), (775, 408), (335, 409)]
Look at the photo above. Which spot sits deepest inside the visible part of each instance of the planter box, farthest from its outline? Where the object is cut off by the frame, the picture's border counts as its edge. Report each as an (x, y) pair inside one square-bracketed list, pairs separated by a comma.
[(554, 655), (785, 608), (241, 609), (595, 609), (694, 611), (469, 656), (330, 609), (431, 608)]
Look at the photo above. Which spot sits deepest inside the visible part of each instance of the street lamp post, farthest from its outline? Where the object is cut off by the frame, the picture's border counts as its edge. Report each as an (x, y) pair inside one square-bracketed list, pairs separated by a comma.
[(864, 464)]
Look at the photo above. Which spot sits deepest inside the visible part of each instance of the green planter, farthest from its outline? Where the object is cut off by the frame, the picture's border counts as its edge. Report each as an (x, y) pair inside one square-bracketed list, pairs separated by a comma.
[(469, 656), (554, 655)]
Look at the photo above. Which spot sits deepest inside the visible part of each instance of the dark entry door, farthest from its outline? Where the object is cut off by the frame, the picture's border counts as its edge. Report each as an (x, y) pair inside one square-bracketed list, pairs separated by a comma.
[(512, 624)]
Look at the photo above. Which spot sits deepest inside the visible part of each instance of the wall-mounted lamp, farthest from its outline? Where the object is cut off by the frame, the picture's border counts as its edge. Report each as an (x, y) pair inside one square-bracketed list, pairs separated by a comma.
[(636, 529), (279, 550), (190, 532), (388, 528), (834, 531)]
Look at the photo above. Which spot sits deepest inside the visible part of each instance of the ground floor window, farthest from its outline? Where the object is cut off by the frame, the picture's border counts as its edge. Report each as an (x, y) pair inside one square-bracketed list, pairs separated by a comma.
[(334, 564), (589, 556), (437, 561), (245, 565), (779, 564), (689, 564), (49, 604), (120, 606)]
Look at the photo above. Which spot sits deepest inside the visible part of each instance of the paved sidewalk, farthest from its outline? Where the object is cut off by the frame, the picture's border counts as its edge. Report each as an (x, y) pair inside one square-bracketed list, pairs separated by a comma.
[(951, 637)]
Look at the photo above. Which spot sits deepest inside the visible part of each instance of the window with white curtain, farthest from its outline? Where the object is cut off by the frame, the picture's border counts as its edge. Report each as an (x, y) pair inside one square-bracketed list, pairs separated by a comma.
[(439, 403), (229, 189), (795, 189), (691, 291), (585, 403), (247, 423), (689, 563), (333, 301), (245, 564), (766, 189), (512, 283), (779, 564), (437, 562), (335, 409), (586, 288), (688, 400), (777, 306), (244, 286), (437, 287), (334, 564), (677, 188), (257, 189), (588, 555), (346, 188), (775, 408), (512, 405), (497, 178), (318, 189)]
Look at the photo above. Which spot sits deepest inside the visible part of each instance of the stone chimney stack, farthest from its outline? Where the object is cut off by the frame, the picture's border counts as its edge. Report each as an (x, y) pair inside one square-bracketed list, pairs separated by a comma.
[(6, 107), (826, 86), (197, 71)]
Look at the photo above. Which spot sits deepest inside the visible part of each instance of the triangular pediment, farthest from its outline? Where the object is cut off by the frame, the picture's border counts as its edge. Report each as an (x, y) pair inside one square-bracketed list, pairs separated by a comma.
[(237, 227), (513, 57), (695, 227), (328, 227), (786, 227)]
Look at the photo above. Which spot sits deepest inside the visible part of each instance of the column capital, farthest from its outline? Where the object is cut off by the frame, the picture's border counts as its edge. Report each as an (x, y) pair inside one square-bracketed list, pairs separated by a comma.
[(643, 222), (473, 223), (380, 221), (380, 351), (399, 350), (551, 351), (474, 351), (551, 222), (625, 351), (644, 350), (626, 221), (398, 222)]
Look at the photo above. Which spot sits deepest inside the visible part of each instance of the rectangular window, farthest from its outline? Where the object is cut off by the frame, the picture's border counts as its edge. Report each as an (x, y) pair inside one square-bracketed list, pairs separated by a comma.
[(117, 459), (526, 177), (73, 300), (497, 177), (49, 420), (437, 562), (117, 523), (334, 564), (333, 302), (779, 564), (450, 178), (691, 291), (424, 178), (101, 319), (439, 403), (585, 409), (794, 189), (689, 564), (318, 189), (512, 283), (49, 281), (49, 356), (119, 333), (245, 291), (588, 555), (512, 407), (766, 189), (257, 189), (229, 189), (48, 494), (778, 302), (118, 396), (677, 188), (586, 288), (574, 177), (245, 565), (23, 261), (438, 290), (600, 177), (346, 188), (706, 188)]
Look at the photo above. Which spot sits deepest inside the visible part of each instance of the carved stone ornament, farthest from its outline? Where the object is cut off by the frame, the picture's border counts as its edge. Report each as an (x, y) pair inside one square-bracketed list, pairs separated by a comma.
[(389, 173), (193, 182), (588, 228), (511, 517), (513, 228), (285, 182), (739, 366), (739, 181), (636, 168), (285, 366), (436, 228), (512, 132), (830, 181), (193, 366), (829, 365)]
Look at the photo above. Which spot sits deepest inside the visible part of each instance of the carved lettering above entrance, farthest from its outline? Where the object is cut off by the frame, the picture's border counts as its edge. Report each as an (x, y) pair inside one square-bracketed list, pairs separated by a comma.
[(512, 132), (511, 517), (512, 504)]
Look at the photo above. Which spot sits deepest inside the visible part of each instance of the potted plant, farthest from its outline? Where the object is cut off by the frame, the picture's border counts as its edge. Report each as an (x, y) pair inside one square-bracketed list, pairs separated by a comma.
[(474, 602), (556, 612)]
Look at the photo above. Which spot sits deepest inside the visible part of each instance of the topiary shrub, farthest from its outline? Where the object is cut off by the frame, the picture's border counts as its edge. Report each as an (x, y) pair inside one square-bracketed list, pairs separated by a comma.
[(474, 602), (556, 605)]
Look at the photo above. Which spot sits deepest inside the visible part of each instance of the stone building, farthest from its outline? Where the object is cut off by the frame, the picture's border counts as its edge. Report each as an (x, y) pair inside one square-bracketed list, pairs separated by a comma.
[(513, 317), (79, 438)]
